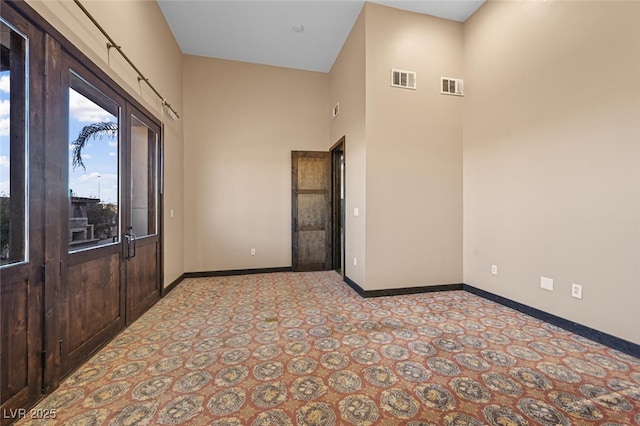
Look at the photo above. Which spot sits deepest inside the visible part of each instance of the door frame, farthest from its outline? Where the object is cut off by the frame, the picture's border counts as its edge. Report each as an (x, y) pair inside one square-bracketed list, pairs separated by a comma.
[(30, 270), (336, 238), (338, 223), (58, 54)]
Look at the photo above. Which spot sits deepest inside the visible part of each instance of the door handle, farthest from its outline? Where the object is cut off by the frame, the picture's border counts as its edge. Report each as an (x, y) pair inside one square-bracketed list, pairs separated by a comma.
[(126, 248), (130, 237)]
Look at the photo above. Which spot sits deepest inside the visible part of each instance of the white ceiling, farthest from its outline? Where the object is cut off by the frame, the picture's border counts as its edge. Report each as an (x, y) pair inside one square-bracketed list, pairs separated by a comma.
[(261, 31)]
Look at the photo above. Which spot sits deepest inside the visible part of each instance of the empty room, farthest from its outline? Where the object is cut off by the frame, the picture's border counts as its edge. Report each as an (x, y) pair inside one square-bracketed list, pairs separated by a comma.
[(306, 212)]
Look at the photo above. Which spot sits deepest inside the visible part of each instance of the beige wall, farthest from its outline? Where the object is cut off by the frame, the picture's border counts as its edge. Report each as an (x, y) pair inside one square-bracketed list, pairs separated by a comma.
[(347, 86), (241, 123), (552, 157), (140, 29), (548, 146), (413, 152)]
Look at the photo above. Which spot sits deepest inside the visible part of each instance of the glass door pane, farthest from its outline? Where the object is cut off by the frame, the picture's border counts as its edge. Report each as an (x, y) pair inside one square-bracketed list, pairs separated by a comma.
[(13, 147), (144, 179), (94, 218)]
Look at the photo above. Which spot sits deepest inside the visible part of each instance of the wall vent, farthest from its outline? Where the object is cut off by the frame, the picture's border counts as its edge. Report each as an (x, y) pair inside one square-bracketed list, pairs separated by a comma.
[(403, 79), (336, 110), (451, 86)]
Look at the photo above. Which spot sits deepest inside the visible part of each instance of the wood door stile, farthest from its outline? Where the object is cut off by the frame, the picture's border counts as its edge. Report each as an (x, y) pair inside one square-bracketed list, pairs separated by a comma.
[(56, 152)]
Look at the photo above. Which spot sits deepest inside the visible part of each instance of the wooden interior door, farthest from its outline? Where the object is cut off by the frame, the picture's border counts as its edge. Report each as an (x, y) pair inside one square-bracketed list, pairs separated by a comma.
[(142, 239), (21, 218), (311, 211)]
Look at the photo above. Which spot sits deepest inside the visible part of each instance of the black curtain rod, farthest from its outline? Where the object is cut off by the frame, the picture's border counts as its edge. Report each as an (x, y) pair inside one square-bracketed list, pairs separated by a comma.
[(113, 44)]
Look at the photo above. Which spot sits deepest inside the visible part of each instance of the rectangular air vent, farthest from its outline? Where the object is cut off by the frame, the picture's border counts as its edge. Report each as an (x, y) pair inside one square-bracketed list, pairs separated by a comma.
[(451, 86), (336, 110), (404, 79)]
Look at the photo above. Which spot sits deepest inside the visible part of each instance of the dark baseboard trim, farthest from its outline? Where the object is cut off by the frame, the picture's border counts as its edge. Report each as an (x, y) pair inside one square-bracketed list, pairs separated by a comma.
[(617, 343), (351, 283), (412, 290), (173, 285), (400, 291), (236, 272)]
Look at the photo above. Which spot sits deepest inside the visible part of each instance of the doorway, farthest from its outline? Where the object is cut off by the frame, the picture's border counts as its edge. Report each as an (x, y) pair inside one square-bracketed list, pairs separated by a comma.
[(338, 205), (110, 243)]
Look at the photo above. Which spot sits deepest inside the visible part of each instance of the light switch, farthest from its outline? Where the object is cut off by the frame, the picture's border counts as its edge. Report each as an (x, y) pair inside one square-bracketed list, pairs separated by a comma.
[(356, 212)]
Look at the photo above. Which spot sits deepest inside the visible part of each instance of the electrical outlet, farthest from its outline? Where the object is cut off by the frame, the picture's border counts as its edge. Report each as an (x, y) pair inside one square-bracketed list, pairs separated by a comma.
[(253, 252), (546, 283), (494, 269), (576, 291)]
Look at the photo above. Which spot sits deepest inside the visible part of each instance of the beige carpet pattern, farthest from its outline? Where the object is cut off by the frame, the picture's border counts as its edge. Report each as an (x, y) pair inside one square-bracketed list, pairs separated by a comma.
[(305, 349)]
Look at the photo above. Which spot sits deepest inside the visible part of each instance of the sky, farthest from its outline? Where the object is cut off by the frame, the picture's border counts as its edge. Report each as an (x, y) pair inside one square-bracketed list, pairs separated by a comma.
[(100, 155), (4, 132)]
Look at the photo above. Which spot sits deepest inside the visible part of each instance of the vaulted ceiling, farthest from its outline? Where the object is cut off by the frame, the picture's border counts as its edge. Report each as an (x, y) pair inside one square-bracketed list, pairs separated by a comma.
[(302, 34)]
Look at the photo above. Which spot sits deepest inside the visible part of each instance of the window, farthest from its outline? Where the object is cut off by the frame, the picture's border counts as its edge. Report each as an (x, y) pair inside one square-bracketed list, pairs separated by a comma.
[(93, 167), (13, 146), (144, 182)]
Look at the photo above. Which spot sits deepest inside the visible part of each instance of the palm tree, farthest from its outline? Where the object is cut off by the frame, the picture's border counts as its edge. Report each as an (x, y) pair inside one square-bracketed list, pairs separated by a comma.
[(96, 130)]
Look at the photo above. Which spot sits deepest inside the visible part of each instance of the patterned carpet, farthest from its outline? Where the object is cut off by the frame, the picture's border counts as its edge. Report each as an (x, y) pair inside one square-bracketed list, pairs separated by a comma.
[(305, 349)]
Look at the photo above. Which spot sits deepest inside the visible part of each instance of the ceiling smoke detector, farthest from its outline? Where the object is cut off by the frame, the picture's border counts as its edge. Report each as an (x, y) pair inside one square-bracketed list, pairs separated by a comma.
[(298, 28)]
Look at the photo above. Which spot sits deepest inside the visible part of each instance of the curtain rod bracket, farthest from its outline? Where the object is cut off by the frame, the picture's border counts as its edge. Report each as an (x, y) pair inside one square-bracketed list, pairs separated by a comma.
[(110, 45), (146, 80)]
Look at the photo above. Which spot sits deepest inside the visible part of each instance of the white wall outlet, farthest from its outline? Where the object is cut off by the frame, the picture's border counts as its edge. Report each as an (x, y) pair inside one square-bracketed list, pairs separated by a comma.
[(356, 211), (576, 291), (546, 283), (355, 262), (494, 269), (253, 252)]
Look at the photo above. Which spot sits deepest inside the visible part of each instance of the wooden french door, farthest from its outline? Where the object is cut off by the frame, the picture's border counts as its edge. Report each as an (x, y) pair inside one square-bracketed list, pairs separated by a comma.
[(92, 244), (311, 211), (142, 214), (21, 215), (111, 244)]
